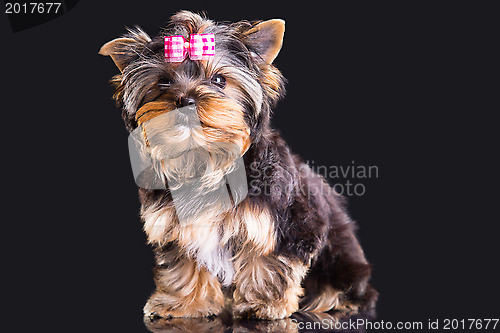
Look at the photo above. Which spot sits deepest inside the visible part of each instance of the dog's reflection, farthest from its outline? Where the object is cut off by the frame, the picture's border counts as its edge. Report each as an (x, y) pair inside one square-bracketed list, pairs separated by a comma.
[(224, 323)]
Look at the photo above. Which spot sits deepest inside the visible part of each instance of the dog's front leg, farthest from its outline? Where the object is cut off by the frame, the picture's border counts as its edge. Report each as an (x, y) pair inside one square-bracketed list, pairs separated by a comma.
[(267, 287), (183, 288)]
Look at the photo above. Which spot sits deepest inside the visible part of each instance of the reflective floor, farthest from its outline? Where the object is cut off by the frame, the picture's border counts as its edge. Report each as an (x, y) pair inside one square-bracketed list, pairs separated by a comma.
[(299, 322)]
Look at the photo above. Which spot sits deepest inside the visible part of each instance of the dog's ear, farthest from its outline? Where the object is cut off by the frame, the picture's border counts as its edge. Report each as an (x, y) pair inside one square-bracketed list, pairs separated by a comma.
[(266, 38), (124, 49)]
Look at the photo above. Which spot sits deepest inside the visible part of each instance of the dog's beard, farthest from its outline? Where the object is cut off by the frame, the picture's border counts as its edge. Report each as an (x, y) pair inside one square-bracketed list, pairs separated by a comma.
[(176, 154), (181, 152)]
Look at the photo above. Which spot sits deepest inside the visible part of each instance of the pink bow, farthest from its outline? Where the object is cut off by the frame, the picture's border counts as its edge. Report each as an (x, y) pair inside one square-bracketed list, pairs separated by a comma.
[(199, 47)]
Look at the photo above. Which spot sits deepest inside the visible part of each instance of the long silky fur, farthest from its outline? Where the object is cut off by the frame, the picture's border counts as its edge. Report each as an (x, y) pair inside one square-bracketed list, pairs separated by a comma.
[(291, 224)]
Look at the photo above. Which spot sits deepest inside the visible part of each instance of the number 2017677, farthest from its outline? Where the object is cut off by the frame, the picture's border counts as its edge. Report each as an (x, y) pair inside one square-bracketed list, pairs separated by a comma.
[(32, 7)]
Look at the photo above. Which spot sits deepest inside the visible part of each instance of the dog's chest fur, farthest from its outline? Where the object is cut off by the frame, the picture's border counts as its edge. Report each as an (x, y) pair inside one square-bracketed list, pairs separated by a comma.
[(213, 241)]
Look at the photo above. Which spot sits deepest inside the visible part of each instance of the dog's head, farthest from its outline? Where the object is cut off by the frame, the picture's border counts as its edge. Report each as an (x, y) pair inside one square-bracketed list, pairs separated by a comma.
[(232, 91), (229, 95)]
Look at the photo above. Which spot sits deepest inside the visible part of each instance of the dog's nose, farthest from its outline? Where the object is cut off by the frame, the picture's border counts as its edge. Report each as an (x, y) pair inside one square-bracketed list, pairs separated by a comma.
[(185, 101)]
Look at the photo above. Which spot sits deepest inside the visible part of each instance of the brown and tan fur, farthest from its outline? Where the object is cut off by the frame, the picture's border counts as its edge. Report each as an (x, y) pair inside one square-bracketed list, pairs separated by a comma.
[(183, 288), (261, 276), (276, 252)]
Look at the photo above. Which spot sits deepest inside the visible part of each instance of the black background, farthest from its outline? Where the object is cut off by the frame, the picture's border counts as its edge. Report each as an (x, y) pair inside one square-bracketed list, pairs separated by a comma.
[(408, 87)]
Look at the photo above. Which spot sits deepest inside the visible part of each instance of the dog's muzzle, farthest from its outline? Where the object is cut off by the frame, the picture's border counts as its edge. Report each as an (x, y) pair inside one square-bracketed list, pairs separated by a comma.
[(168, 144)]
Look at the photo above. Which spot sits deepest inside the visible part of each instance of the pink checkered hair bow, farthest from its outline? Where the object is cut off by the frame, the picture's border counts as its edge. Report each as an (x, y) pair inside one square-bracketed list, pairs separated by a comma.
[(199, 47)]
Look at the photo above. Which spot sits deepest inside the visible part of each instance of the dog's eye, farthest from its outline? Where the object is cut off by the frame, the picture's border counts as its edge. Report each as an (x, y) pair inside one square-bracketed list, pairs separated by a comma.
[(164, 82), (219, 81)]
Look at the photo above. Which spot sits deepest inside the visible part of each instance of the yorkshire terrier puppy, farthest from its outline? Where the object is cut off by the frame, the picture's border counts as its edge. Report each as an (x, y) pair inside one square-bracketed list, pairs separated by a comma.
[(285, 242)]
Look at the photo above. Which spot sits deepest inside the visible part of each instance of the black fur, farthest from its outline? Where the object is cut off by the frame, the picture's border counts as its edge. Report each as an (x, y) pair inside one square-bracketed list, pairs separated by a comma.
[(312, 220)]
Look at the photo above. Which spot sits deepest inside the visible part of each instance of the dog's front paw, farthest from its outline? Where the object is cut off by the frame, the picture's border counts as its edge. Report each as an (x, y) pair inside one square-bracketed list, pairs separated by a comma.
[(162, 305), (269, 311)]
